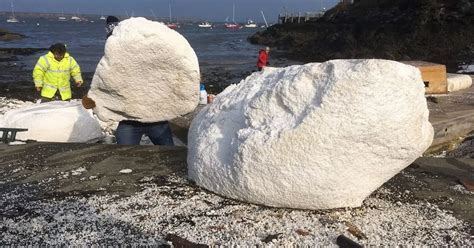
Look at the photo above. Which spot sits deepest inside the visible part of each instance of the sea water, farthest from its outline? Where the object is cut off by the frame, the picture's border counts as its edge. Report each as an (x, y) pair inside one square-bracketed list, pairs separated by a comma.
[(217, 47)]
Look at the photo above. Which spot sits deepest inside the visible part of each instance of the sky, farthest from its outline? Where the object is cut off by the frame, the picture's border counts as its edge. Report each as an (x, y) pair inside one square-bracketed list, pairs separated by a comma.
[(212, 10)]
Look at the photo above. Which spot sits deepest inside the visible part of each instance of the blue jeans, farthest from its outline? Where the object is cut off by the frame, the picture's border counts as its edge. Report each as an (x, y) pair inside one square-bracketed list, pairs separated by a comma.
[(130, 133)]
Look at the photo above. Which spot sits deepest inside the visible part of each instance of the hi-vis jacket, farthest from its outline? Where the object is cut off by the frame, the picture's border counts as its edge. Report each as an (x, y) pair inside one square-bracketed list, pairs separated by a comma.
[(53, 75)]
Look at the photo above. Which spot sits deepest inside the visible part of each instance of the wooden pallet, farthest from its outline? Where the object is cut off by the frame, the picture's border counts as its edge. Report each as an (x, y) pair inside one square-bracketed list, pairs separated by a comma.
[(434, 76)]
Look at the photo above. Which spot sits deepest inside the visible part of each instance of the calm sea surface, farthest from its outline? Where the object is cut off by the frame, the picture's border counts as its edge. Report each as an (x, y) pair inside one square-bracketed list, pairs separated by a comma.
[(217, 47)]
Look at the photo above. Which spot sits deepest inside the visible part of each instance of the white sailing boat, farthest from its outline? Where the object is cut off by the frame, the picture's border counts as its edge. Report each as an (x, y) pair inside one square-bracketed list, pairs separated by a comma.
[(76, 17), (205, 24), (62, 18), (12, 18), (232, 25), (250, 24), (102, 17)]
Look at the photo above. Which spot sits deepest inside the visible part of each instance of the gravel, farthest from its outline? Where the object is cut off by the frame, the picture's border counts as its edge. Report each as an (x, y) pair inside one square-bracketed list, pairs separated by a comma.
[(182, 209)]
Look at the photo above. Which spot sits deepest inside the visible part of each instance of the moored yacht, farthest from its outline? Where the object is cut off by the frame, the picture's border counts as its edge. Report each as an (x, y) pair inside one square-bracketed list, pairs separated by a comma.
[(12, 18), (62, 18), (232, 25), (205, 24), (250, 24), (170, 24)]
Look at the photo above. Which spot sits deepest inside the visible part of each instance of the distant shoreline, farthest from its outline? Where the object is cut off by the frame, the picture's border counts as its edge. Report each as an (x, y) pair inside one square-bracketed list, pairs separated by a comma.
[(29, 15)]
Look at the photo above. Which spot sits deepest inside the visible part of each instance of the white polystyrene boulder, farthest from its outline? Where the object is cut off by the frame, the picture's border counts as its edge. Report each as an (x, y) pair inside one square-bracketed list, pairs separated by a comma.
[(54, 122), (458, 82), (314, 136), (149, 73)]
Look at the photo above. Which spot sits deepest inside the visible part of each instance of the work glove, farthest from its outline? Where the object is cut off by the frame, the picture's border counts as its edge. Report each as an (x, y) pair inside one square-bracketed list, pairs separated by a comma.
[(38, 89), (88, 103)]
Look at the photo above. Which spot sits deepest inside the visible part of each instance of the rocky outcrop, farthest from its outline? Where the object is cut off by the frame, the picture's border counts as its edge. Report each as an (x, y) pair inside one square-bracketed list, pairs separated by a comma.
[(439, 31), (316, 136), (6, 35)]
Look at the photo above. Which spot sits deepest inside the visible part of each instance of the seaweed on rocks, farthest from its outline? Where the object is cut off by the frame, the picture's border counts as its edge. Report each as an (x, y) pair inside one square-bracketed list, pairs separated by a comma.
[(6, 35)]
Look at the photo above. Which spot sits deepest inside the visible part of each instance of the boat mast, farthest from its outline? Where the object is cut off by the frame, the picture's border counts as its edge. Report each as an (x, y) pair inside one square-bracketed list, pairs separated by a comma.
[(153, 13), (169, 8), (265, 19), (13, 12), (233, 13)]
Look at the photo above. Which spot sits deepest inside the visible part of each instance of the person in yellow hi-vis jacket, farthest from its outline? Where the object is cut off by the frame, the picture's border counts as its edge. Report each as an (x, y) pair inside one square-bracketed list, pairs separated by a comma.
[(53, 72)]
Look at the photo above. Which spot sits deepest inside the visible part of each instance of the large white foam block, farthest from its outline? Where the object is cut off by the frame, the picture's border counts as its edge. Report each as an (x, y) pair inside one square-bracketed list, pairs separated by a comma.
[(149, 73), (458, 82), (54, 122), (315, 136)]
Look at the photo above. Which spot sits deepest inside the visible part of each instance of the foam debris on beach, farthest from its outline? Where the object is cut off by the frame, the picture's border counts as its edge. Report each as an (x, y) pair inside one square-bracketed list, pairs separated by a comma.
[(178, 208), (7, 104)]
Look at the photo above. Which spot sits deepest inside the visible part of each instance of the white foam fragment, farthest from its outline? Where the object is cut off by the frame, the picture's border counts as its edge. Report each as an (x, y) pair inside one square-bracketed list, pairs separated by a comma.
[(458, 82), (54, 122), (7, 104), (78, 171), (149, 73), (315, 136), (126, 171)]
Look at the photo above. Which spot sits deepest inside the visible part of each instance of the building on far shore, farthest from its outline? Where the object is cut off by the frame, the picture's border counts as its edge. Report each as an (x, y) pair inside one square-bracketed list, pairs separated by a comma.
[(299, 17)]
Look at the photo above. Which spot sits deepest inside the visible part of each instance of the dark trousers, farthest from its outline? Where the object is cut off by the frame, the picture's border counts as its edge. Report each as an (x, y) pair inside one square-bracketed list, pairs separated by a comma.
[(130, 133)]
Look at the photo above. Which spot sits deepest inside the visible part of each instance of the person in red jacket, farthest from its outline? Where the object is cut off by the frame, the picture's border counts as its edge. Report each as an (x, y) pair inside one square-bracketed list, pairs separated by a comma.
[(263, 58)]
